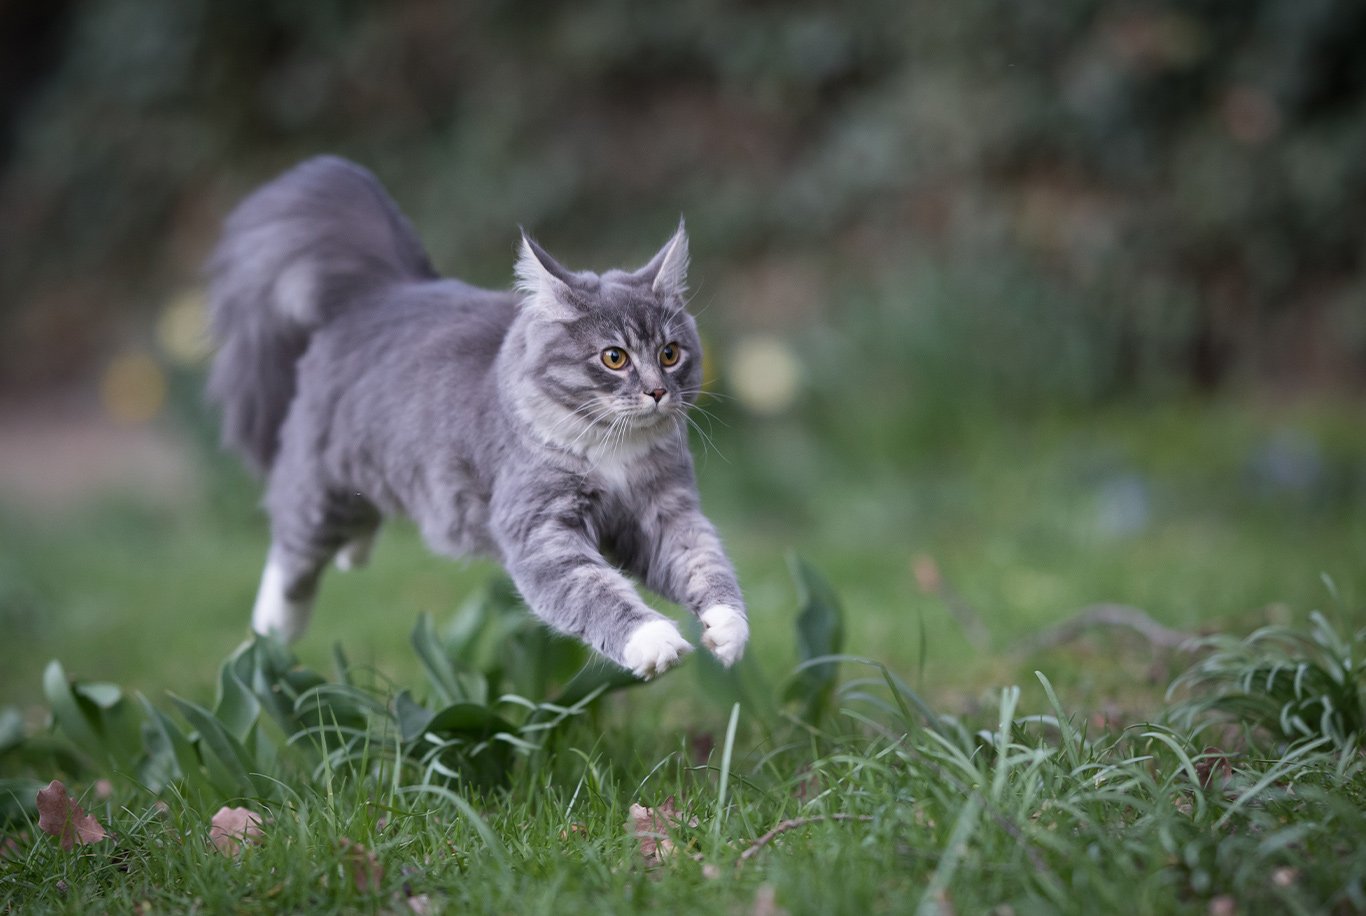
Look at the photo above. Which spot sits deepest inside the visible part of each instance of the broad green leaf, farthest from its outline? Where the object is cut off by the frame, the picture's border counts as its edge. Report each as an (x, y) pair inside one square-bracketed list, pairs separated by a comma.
[(237, 707), (468, 718), (820, 632), (68, 714), (412, 716), (434, 660), (341, 665), (167, 744), (226, 760), (11, 728), (594, 675), (101, 694)]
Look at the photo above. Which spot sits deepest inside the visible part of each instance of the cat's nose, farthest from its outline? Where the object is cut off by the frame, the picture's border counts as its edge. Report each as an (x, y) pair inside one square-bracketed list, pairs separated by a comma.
[(657, 394)]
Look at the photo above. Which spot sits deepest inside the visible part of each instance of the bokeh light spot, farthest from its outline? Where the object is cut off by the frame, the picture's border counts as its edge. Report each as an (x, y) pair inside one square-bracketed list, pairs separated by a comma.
[(764, 374), (183, 329), (133, 389)]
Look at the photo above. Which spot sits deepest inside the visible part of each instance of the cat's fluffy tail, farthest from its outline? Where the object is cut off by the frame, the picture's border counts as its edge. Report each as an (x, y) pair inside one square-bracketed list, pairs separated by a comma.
[(294, 255)]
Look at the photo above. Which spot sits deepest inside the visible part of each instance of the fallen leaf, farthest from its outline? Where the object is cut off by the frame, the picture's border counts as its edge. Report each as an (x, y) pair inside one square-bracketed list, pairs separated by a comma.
[(651, 827), (1213, 765), (766, 902), (363, 865), (1223, 905), (231, 828), (60, 816), (701, 744), (808, 788), (926, 572), (1285, 876)]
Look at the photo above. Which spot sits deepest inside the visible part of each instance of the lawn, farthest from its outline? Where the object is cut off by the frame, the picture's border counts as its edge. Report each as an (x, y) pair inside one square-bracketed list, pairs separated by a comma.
[(950, 780)]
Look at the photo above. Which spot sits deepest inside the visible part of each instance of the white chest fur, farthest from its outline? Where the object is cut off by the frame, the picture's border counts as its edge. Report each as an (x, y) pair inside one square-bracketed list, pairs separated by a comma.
[(619, 465)]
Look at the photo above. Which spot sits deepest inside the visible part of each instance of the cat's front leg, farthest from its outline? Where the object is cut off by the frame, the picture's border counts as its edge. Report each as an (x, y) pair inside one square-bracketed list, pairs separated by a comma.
[(685, 562), (725, 631), (567, 583)]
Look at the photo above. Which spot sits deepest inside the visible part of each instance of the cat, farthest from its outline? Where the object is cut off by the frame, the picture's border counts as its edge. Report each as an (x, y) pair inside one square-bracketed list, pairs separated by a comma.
[(542, 427)]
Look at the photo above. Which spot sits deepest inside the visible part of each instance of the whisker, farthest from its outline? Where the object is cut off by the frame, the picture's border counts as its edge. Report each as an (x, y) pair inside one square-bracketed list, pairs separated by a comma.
[(701, 392), (707, 441), (578, 413)]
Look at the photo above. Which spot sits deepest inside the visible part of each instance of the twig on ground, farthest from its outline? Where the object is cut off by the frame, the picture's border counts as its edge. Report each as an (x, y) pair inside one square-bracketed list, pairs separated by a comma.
[(793, 824), (1107, 615)]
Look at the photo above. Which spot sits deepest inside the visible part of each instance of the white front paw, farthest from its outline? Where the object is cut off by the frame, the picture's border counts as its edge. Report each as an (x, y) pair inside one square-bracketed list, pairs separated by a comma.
[(725, 632), (654, 647)]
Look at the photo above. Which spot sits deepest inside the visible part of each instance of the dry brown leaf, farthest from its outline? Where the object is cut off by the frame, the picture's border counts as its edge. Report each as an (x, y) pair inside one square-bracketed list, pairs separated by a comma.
[(363, 865), (808, 788), (231, 828), (421, 904), (60, 816), (766, 902), (1223, 905), (701, 744), (927, 576), (651, 826), (1285, 876), (1214, 768)]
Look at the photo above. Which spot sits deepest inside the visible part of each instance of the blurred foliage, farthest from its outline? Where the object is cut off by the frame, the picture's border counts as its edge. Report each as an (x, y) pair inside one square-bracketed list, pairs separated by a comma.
[(1288, 682), (1106, 194)]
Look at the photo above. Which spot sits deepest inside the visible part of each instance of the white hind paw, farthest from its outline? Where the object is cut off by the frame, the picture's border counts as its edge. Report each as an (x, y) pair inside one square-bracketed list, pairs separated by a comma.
[(653, 648), (355, 554), (725, 632), (274, 613)]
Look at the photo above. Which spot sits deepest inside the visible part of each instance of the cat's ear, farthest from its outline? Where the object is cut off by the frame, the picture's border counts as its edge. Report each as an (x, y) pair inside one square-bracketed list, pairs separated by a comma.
[(668, 270), (544, 283)]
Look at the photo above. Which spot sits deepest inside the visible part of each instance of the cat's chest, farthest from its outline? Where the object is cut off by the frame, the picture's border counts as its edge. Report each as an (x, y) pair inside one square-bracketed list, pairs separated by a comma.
[(620, 472)]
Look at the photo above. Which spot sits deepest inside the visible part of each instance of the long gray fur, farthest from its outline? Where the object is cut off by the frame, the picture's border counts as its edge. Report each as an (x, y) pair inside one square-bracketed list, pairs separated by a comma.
[(363, 386)]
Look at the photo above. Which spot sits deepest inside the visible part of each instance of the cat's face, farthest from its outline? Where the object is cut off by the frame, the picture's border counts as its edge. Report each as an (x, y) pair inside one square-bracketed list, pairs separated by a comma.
[(610, 359)]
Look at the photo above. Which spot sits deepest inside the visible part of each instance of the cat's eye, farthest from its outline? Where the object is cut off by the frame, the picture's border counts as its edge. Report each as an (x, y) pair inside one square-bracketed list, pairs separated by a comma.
[(670, 354), (614, 358)]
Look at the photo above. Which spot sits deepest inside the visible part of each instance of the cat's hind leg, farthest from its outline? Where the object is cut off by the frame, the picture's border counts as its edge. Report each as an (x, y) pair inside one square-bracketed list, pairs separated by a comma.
[(284, 600), (309, 525), (355, 553)]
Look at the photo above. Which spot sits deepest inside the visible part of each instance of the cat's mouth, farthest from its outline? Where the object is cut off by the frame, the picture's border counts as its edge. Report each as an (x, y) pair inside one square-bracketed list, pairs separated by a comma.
[(649, 416)]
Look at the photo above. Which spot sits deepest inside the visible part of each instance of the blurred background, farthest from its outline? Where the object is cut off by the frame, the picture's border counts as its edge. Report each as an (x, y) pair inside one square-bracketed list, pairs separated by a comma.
[(1013, 308)]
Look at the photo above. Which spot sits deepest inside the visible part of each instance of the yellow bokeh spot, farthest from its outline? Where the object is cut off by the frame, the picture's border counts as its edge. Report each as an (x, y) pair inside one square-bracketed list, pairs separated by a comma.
[(183, 329), (133, 389), (764, 374)]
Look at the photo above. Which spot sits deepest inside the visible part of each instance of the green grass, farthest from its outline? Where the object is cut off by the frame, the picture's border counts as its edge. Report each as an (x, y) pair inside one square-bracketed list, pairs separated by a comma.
[(1176, 508), (934, 816)]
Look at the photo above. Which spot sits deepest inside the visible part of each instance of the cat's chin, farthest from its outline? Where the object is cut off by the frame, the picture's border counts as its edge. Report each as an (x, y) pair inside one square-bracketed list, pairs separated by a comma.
[(650, 420)]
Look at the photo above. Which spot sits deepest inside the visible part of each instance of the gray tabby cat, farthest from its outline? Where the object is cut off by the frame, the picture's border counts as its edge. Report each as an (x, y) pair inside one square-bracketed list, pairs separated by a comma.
[(543, 428)]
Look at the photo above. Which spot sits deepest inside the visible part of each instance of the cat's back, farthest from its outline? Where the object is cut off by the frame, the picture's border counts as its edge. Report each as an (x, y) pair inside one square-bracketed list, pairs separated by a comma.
[(435, 326), (396, 394)]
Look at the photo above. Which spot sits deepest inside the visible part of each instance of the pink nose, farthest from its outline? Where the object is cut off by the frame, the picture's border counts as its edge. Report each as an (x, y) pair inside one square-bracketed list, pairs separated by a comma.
[(657, 394)]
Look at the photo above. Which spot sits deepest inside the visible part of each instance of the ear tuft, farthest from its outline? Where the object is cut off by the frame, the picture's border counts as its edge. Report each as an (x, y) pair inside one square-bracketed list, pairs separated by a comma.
[(668, 269), (540, 279)]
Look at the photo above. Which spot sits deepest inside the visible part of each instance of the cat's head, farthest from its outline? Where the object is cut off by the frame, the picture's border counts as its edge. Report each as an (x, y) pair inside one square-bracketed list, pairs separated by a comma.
[(608, 358)]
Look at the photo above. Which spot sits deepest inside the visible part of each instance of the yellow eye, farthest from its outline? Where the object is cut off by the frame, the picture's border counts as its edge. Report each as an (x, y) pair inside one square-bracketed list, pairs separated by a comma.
[(669, 354), (614, 358)]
